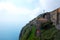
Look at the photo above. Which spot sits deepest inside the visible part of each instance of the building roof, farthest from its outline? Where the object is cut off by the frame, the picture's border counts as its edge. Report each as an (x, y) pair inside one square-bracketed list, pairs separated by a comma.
[(42, 19)]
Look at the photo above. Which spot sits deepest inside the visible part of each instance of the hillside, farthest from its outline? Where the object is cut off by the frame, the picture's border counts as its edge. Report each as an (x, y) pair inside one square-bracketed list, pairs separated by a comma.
[(41, 28)]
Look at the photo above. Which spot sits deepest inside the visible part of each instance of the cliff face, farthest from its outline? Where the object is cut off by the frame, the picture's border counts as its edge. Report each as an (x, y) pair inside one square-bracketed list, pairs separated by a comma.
[(42, 27)]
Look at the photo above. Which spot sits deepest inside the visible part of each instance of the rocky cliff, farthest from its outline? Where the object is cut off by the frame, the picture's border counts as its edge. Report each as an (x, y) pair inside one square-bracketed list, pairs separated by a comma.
[(40, 28)]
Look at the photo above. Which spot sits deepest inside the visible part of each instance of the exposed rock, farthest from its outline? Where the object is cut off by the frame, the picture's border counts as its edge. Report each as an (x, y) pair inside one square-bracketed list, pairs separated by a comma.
[(40, 28)]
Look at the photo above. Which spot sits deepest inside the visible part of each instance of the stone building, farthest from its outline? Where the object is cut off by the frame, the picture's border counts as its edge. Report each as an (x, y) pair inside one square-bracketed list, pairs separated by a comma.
[(58, 16), (46, 15), (55, 16)]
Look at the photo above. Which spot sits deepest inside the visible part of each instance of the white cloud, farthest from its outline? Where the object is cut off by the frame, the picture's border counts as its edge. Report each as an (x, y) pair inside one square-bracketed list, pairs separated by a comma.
[(43, 4), (13, 13), (49, 5), (12, 8), (29, 1)]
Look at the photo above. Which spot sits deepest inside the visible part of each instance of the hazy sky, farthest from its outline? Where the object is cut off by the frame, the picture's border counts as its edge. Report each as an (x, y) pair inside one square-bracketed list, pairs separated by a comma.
[(14, 14), (24, 10)]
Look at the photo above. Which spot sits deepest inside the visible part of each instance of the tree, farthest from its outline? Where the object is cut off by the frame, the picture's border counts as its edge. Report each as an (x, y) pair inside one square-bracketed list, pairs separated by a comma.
[(47, 25)]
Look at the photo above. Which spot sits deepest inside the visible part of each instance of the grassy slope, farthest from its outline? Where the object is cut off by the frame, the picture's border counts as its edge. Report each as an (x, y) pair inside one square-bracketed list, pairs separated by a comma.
[(57, 36), (32, 35), (49, 34)]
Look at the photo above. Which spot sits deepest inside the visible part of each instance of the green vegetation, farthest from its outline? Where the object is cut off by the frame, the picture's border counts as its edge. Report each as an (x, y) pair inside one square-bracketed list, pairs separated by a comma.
[(47, 25), (48, 32), (57, 36), (32, 35)]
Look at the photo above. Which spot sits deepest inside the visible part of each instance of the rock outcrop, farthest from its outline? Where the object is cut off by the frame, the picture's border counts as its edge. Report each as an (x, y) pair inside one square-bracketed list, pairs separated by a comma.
[(43, 27)]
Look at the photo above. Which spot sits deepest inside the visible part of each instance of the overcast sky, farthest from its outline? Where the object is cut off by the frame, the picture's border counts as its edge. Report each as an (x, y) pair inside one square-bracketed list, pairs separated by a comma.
[(24, 10)]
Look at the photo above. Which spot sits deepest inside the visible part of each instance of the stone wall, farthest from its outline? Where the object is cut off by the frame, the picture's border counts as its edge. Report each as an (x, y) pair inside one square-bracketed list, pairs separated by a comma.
[(55, 16)]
